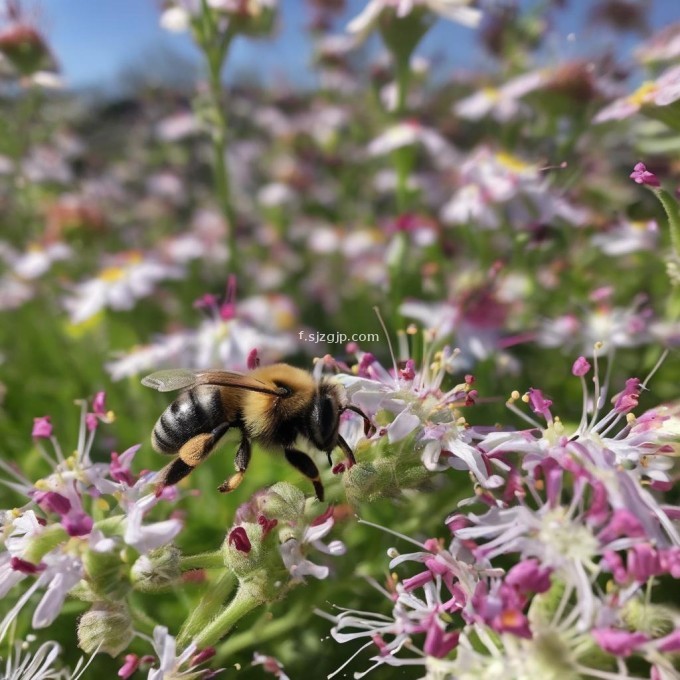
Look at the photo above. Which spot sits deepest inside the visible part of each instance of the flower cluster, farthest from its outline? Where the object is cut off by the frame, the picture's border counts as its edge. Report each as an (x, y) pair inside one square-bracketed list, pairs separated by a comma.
[(574, 509)]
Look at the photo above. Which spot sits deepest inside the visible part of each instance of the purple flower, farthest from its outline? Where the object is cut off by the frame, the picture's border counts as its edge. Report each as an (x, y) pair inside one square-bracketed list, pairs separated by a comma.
[(618, 642), (42, 428), (580, 367), (641, 175)]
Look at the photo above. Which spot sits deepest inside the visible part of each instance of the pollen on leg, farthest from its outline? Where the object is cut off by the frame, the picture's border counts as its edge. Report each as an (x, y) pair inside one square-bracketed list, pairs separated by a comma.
[(196, 449), (231, 483)]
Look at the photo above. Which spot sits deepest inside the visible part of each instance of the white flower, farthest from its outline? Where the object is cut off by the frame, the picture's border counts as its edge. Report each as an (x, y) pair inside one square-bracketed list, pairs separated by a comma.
[(628, 237), (502, 104), (410, 133), (454, 10), (166, 650), (663, 91), (129, 277), (145, 537), (38, 259), (293, 550), (36, 666)]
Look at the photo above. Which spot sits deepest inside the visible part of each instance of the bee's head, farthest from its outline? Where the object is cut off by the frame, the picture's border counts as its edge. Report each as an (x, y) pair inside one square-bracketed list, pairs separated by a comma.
[(324, 418)]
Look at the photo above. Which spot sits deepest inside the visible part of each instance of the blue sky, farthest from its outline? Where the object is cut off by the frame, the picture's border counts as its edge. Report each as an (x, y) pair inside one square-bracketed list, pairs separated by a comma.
[(94, 40)]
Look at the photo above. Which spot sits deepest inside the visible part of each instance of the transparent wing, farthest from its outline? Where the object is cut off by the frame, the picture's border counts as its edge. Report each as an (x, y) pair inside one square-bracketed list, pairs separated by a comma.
[(180, 378), (170, 380)]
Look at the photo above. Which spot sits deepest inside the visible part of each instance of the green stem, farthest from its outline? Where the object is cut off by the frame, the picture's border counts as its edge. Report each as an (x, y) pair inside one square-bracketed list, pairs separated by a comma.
[(245, 600), (207, 560), (258, 633), (670, 206), (403, 157), (209, 605), (215, 46)]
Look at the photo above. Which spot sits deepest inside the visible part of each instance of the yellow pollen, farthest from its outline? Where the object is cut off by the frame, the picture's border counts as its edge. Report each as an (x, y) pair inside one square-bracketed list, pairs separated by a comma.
[(285, 319), (355, 369), (102, 504), (111, 274), (511, 162), (514, 395), (643, 93), (491, 93), (412, 329), (41, 485), (598, 345), (110, 416), (630, 418), (16, 512), (525, 398)]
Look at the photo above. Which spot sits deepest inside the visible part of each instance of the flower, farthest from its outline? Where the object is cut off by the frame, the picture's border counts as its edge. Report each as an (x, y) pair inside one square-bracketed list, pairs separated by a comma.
[(641, 175), (127, 278), (57, 543), (410, 133), (173, 666), (375, 11), (502, 104), (658, 93)]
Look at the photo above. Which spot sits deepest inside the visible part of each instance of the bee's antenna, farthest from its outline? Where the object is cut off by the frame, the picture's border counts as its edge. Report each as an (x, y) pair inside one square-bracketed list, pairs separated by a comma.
[(389, 342)]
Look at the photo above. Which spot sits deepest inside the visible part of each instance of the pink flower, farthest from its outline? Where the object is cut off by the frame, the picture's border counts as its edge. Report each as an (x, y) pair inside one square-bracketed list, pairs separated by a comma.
[(618, 642), (641, 175), (42, 428), (580, 367)]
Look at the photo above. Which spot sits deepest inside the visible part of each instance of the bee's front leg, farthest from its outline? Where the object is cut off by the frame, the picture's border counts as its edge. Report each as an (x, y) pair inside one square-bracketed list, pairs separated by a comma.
[(307, 467)]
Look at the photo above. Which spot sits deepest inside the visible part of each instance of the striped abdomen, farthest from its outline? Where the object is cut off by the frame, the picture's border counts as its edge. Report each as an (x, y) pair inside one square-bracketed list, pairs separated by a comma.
[(196, 411)]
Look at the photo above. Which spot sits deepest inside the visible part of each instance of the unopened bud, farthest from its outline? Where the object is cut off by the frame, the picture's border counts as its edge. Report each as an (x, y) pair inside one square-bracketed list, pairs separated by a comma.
[(158, 569), (283, 502), (107, 573), (106, 627), (24, 48)]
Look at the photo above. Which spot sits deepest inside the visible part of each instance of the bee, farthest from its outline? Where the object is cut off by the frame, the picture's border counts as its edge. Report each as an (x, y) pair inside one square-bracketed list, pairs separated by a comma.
[(271, 405)]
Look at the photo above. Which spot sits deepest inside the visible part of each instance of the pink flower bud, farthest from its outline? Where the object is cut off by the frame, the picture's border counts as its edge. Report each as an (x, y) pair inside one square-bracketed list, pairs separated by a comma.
[(580, 367), (618, 642), (641, 175), (42, 428)]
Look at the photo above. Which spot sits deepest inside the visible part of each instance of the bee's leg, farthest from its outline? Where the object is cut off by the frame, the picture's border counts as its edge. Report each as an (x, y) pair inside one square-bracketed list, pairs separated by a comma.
[(307, 467), (241, 463), (192, 454), (346, 450)]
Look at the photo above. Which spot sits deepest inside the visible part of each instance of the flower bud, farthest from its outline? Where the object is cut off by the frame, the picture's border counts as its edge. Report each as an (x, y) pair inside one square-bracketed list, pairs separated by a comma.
[(242, 549), (106, 627), (24, 48), (367, 482), (283, 502), (107, 573), (158, 569)]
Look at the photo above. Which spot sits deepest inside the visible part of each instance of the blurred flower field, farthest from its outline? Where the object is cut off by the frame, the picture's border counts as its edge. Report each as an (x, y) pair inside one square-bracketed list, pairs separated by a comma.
[(486, 263)]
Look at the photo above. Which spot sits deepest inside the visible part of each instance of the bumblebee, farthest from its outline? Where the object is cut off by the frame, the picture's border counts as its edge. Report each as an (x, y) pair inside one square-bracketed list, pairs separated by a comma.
[(271, 405)]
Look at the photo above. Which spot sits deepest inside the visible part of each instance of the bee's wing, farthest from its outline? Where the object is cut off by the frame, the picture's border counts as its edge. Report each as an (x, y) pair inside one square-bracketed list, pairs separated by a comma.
[(179, 378), (239, 381), (170, 380)]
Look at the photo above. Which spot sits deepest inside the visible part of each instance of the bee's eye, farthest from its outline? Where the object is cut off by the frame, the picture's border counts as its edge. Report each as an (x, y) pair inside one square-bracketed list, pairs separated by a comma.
[(328, 415), (324, 422)]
